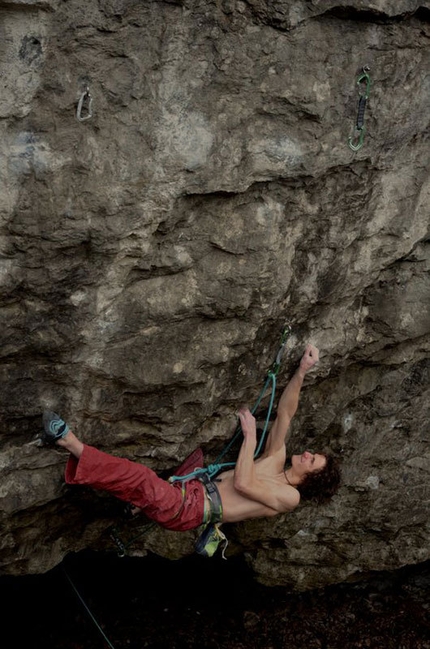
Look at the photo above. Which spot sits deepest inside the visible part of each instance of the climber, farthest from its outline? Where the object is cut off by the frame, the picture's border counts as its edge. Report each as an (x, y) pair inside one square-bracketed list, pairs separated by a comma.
[(254, 488)]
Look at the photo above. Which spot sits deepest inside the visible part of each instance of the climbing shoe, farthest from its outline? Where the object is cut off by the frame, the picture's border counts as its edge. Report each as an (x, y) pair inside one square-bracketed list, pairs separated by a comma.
[(209, 540), (55, 427)]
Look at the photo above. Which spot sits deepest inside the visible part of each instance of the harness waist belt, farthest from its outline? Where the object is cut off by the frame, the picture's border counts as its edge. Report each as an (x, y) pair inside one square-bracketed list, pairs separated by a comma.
[(215, 513)]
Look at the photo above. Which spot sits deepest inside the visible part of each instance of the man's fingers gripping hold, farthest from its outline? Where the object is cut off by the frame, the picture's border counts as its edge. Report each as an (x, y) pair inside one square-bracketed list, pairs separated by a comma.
[(247, 422), (310, 357)]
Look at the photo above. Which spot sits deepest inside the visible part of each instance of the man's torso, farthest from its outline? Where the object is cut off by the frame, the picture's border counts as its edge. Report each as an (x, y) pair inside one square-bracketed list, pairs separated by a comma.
[(237, 507)]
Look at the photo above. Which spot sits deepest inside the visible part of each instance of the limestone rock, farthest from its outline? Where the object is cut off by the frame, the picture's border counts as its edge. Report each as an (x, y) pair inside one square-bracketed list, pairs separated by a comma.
[(151, 255)]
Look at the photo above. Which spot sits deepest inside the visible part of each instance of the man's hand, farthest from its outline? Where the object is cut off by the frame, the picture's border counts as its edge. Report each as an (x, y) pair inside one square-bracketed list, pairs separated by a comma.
[(309, 358), (248, 424)]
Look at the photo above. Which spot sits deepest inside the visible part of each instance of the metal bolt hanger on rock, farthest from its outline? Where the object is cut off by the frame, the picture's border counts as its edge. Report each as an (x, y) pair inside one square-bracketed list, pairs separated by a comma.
[(355, 142), (85, 104)]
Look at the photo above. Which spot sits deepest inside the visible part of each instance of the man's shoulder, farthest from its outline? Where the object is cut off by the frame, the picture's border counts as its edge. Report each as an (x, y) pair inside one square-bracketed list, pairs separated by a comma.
[(277, 457)]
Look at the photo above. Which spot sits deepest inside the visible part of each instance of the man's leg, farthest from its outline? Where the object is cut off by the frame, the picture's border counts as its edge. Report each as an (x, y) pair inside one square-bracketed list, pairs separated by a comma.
[(131, 482)]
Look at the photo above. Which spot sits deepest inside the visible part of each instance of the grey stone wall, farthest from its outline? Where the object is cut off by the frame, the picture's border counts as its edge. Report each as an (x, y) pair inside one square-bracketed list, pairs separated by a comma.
[(151, 254)]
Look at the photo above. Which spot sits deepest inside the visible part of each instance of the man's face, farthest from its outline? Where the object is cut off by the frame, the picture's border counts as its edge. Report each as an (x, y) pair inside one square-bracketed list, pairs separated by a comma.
[(308, 462)]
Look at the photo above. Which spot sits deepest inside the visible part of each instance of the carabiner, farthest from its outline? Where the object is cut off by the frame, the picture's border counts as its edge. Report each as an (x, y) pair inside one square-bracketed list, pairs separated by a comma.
[(286, 332), (356, 141), (85, 105), (364, 78)]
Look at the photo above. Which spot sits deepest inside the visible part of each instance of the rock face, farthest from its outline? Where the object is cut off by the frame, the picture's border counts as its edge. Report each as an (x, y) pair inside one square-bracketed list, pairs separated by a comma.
[(151, 254)]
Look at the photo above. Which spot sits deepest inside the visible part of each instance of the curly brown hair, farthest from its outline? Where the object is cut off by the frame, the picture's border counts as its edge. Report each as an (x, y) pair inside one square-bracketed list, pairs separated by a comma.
[(321, 485)]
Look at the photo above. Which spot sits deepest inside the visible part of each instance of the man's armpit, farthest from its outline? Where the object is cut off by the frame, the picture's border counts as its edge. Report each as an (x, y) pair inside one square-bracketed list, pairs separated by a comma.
[(288, 499)]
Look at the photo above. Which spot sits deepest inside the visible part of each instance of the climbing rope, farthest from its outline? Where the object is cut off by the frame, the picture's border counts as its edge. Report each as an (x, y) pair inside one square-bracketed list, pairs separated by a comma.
[(355, 142), (87, 609), (212, 469)]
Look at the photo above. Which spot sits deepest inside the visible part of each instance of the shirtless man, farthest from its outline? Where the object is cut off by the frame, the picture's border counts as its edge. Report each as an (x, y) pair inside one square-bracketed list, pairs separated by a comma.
[(263, 487), (254, 488)]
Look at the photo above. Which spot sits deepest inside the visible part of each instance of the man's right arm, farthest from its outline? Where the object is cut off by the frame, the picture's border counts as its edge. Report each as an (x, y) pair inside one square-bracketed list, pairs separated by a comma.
[(288, 403), (246, 481)]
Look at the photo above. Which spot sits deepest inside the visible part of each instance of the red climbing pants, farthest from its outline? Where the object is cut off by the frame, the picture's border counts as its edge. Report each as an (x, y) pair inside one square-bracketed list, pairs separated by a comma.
[(165, 503)]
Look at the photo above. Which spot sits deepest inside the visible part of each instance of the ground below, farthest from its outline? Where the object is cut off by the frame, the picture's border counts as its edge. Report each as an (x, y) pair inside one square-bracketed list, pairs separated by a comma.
[(208, 604)]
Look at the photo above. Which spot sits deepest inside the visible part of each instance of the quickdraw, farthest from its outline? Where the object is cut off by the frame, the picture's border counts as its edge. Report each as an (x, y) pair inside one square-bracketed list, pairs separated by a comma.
[(285, 335), (355, 142), (122, 546)]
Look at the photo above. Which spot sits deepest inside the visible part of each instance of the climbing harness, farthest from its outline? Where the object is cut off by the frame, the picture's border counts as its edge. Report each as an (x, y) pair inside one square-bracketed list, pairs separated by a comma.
[(210, 535), (355, 142), (85, 104), (209, 541)]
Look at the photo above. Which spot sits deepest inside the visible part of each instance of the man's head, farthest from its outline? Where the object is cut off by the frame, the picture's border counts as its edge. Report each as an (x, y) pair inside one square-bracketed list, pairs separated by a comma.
[(318, 476)]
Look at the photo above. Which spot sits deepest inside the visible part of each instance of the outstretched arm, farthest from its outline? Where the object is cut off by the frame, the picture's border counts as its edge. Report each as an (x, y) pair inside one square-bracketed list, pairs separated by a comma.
[(289, 402)]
